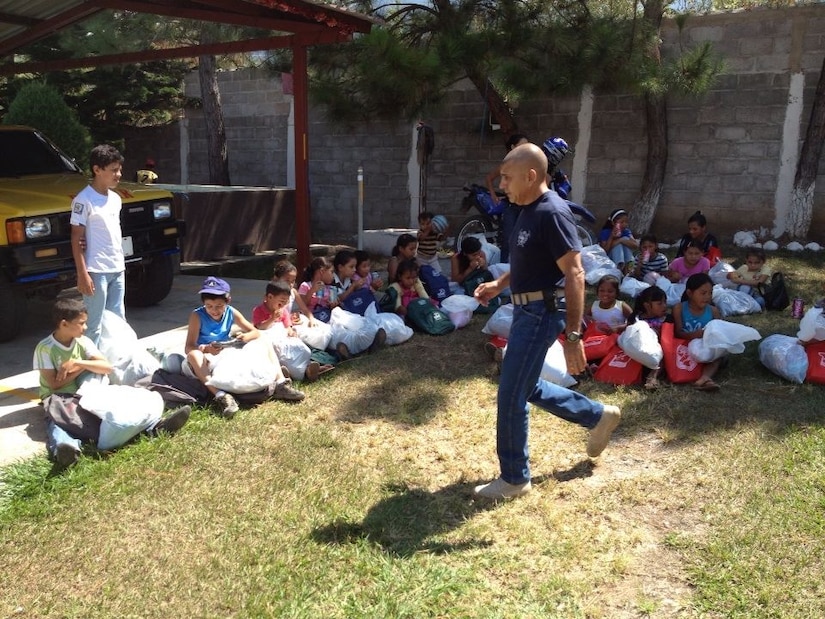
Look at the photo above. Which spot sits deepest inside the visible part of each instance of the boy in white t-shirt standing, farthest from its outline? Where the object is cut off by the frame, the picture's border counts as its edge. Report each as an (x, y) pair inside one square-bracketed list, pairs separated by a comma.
[(97, 239)]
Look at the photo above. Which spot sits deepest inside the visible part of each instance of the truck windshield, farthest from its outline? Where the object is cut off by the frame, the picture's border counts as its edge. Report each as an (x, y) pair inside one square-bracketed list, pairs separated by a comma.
[(24, 153)]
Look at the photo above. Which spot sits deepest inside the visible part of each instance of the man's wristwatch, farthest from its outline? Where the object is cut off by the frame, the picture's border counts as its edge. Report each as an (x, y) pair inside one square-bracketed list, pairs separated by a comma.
[(574, 336)]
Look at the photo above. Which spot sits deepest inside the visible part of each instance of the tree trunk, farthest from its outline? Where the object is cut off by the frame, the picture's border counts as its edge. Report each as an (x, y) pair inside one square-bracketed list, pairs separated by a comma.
[(802, 196), (499, 110), (641, 217), (644, 210), (217, 155)]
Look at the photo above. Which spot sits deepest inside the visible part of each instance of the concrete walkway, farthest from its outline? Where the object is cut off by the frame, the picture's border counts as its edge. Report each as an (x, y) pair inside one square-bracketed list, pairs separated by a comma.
[(22, 428)]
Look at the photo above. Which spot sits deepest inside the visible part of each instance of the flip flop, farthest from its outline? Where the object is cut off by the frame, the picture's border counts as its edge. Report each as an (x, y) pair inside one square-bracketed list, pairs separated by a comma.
[(708, 385)]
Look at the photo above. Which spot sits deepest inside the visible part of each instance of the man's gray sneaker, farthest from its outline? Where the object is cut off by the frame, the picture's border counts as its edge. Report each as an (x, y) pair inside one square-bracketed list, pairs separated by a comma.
[(500, 489), (600, 435), (173, 422)]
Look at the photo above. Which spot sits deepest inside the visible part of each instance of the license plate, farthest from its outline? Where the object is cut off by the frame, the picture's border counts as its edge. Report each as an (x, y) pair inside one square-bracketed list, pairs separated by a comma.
[(128, 248)]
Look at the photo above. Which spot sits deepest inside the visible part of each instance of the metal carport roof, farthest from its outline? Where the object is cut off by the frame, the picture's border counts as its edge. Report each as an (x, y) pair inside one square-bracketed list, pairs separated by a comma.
[(296, 24)]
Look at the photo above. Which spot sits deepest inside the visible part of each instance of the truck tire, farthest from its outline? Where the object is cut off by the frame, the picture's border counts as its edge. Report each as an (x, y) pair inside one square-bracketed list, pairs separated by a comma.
[(13, 303), (149, 283)]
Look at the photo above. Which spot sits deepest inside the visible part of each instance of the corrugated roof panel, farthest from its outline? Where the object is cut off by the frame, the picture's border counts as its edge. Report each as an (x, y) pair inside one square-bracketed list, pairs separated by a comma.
[(18, 15)]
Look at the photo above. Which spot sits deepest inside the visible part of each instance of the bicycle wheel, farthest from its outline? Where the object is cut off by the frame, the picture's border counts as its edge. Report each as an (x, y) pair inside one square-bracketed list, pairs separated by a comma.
[(584, 235), (477, 225)]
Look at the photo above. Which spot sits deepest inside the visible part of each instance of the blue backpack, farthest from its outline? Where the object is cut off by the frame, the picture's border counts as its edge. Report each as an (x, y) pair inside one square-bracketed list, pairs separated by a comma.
[(358, 301), (426, 317), (436, 284)]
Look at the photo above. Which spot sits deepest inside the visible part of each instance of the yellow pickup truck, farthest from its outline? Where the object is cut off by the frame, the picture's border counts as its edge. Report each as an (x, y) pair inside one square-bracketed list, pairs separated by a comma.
[(37, 184)]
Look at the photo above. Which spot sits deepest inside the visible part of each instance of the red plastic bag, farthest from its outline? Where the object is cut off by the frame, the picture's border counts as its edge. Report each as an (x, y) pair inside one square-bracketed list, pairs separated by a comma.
[(679, 365), (618, 369), (597, 344), (816, 363), (714, 255)]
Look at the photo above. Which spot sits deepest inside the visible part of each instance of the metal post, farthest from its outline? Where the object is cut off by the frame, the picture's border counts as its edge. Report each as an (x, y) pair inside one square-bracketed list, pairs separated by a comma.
[(360, 207)]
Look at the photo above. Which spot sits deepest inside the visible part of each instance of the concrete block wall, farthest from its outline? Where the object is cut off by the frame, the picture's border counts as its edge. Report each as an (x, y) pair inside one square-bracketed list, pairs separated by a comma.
[(724, 155)]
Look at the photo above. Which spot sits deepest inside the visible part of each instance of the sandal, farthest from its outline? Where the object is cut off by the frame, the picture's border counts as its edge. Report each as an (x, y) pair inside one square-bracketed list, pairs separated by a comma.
[(708, 385)]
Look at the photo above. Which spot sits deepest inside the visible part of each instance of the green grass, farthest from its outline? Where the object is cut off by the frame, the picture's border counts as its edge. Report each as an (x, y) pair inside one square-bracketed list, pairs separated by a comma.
[(358, 503)]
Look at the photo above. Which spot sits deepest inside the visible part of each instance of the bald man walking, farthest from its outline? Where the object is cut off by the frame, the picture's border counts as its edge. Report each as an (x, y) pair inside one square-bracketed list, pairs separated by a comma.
[(544, 247)]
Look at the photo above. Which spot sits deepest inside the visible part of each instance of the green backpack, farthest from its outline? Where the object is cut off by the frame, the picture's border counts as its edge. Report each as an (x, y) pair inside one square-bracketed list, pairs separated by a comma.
[(386, 302), (426, 317), (479, 276)]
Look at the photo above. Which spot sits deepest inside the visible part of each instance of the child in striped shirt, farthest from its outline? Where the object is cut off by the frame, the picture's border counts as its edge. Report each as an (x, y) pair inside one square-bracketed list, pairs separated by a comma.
[(650, 262)]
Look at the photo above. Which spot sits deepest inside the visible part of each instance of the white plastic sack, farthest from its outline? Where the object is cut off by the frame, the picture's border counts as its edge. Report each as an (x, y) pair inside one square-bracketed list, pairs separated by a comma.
[(394, 326), (124, 412), (316, 336), (640, 342), (120, 346), (812, 326), (245, 370), (500, 322), (142, 364), (492, 253), (497, 270), (347, 320), (631, 287), (673, 291), (734, 302), (784, 356), (291, 351), (593, 277), (355, 331), (554, 369), (594, 257), (719, 274), (118, 340), (460, 309), (721, 337)]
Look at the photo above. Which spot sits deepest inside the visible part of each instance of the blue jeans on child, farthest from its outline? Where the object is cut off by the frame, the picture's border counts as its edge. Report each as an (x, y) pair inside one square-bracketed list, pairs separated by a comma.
[(55, 435), (110, 289), (533, 330), (621, 254), (754, 292)]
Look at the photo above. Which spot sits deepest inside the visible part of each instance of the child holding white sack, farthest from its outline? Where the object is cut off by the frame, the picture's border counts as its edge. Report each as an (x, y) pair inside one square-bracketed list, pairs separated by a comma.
[(274, 318), (651, 308)]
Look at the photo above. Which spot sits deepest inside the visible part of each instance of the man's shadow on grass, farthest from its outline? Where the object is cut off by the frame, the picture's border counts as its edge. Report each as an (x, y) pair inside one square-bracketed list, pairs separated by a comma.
[(407, 522)]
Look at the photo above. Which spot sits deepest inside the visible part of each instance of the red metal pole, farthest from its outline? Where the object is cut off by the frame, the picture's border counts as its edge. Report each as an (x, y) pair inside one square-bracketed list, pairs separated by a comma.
[(302, 215)]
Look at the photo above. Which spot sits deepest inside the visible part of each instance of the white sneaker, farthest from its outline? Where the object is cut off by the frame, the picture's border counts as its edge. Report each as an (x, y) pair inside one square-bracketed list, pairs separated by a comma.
[(600, 435), (500, 489)]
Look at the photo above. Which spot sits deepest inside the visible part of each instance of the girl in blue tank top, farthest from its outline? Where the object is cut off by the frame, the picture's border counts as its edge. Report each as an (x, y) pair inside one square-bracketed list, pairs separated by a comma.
[(691, 316)]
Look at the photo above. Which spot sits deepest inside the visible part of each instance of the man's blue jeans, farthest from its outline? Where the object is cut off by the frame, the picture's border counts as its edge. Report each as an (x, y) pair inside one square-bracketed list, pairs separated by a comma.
[(533, 330), (110, 289)]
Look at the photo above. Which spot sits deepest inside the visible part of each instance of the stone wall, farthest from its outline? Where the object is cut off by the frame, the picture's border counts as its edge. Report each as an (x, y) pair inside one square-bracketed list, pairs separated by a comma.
[(726, 149)]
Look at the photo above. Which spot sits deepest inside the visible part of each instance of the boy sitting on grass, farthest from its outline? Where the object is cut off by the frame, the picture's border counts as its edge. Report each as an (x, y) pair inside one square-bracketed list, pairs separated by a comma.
[(63, 359), (211, 324)]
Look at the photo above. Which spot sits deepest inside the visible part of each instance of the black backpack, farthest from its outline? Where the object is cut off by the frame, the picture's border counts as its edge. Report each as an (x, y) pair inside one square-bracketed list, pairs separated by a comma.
[(775, 293)]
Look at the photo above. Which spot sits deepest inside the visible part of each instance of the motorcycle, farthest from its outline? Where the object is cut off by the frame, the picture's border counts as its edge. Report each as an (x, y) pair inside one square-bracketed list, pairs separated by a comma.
[(487, 222)]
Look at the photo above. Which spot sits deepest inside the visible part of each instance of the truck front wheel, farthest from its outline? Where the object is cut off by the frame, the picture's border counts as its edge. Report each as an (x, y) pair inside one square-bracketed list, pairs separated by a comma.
[(149, 282)]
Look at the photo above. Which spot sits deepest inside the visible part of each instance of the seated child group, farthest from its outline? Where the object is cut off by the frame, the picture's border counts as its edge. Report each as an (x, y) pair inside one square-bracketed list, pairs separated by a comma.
[(339, 309)]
